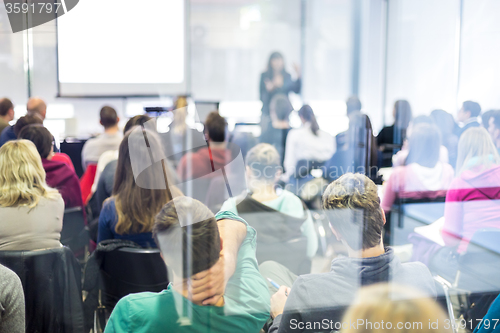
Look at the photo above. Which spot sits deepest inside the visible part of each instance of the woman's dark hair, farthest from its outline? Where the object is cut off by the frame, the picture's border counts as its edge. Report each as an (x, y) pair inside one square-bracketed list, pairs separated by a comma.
[(25, 121), (402, 120), (444, 121), (274, 55), (136, 121), (360, 133), (425, 145), (40, 136), (307, 113)]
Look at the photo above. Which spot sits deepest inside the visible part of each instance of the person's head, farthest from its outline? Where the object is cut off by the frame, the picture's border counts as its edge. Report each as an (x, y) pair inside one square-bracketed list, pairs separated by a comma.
[(22, 177), (215, 127), (352, 206), (109, 117), (262, 165), (40, 136), (469, 109), (139, 185), (385, 307), (136, 121), (307, 116), (425, 145), (276, 63), (188, 236), (418, 120), (485, 118), (37, 107), (476, 150), (180, 102), (6, 109), (444, 121), (353, 105), (494, 127), (280, 107), (402, 114), (25, 121)]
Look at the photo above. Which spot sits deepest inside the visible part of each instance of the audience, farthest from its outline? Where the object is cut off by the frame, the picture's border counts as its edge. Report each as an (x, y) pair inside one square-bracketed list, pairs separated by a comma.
[(36, 107), (493, 128), (468, 116), (394, 308), (11, 132), (391, 138), (139, 191), (353, 107), (58, 174), (423, 175), (226, 240), (12, 312), (109, 140), (32, 213), (351, 204), (485, 118), (446, 125), (6, 113)]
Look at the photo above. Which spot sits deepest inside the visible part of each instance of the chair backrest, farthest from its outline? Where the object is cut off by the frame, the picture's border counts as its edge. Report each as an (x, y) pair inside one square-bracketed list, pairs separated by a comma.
[(87, 180), (74, 233), (51, 281), (131, 270)]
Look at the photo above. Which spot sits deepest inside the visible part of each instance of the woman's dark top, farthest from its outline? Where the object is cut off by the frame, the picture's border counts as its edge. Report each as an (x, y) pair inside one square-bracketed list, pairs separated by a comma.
[(288, 86), (385, 139)]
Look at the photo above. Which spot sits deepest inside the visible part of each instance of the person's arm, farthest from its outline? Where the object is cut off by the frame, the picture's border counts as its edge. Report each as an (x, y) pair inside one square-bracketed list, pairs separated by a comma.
[(13, 316), (290, 162), (284, 309), (105, 222)]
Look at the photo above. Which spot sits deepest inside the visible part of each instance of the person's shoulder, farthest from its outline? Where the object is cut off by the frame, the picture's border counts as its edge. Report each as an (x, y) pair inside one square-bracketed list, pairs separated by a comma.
[(8, 277), (418, 275), (108, 205)]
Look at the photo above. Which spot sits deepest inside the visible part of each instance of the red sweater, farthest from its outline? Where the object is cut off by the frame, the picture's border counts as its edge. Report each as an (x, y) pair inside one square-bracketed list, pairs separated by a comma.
[(61, 177)]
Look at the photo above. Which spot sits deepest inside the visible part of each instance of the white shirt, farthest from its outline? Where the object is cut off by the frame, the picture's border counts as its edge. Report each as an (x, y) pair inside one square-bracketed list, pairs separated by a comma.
[(94, 148), (302, 144)]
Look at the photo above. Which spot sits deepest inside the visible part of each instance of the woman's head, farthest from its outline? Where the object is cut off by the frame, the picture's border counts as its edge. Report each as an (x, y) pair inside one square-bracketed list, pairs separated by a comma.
[(402, 114), (276, 63), (263, 165), (40, 136), (22, 177), (280, 107), (306, 113), (138, 120), (476, 150), (425, 145), (394, 308), (444, 121)]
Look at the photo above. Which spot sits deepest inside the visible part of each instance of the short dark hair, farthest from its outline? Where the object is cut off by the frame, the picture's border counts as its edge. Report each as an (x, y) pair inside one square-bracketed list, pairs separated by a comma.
[(215, 126), (281, 106), (473, 107), (108, 116), (136, 121), (352, 206), (25, 121), (353, 104), (178, 219), (496, 119), (5, 106), (485, 117), (40, 136)]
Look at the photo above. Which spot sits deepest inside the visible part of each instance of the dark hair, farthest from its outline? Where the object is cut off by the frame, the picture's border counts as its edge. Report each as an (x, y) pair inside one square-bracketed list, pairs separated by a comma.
[(25, 121), (359, 132), (274, 55), (425, 145), (422, 120), (496, 119), (281, 106), (352, 206), (136, 121), (307, 113), (444, 121), (215, 126), (473, 107), (403, 114), (108, 116), (353, 104), (485, 117), (193, 241), (5, 106), (40, 136)]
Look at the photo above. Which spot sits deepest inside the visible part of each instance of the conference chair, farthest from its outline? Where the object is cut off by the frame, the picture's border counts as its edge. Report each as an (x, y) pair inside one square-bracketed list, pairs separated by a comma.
[(51, 282), (86, 182), (75, 233)]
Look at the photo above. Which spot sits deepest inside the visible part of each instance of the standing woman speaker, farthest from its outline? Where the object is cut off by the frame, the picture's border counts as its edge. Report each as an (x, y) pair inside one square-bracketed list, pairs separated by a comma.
[(276, 80)]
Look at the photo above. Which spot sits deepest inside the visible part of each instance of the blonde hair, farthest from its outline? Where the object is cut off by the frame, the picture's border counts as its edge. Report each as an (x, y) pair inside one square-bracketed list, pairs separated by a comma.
[(475, 148), (22, 177), (404, 309), (264, 162), (180, 115)]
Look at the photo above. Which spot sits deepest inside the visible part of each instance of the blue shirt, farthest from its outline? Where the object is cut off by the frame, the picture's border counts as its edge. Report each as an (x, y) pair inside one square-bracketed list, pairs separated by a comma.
[(107, 223), (7, 135)]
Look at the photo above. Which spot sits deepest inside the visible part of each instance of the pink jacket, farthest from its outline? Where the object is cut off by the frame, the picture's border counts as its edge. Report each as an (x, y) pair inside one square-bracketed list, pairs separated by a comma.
[(472, 203)]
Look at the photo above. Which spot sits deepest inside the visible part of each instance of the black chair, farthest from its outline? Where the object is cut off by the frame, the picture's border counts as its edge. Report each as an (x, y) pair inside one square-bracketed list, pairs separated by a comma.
[(75, 233), (51, 281)]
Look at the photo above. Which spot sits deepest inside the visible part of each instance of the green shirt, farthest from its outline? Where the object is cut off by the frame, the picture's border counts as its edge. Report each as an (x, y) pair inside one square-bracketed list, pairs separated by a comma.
[(246, 307)]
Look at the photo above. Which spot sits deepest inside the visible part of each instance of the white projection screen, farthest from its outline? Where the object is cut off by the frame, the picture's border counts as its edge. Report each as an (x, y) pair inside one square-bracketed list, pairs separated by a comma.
[(123, 48)]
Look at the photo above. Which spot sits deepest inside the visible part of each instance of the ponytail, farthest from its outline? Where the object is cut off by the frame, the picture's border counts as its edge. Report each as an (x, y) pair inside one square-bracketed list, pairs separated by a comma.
[(306, 112)]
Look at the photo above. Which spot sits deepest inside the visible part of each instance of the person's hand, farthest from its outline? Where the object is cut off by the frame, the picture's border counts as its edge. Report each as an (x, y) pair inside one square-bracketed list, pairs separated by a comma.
[(278, 301), (278, 81), (269, 85), (207, 287), (297, 69)]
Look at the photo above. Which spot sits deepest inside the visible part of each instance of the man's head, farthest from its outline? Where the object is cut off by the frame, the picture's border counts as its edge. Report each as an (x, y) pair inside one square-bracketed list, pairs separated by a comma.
[(353, 105), (25, 121), (188, 236), (215, 127), (40, 136), (469, 110), (6, 109), (37, 107), (109, 117), (352, 206), (494, 127), (280, 107)]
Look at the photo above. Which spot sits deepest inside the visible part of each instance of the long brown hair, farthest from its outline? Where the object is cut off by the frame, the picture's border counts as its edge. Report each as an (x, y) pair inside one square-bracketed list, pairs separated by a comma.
[(307, 113), (140, 194)]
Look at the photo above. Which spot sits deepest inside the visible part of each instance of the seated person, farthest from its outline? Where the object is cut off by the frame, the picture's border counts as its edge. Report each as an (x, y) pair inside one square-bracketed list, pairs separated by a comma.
[(286, 209), (353, 208), (394, 308), (490, 322), (6, 113), (423, 175), (207, 159), (12, 312), (109, 140), (36, 108), (221, 240), (31, 212), (468, 117), (137, 197), (58, 174)]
